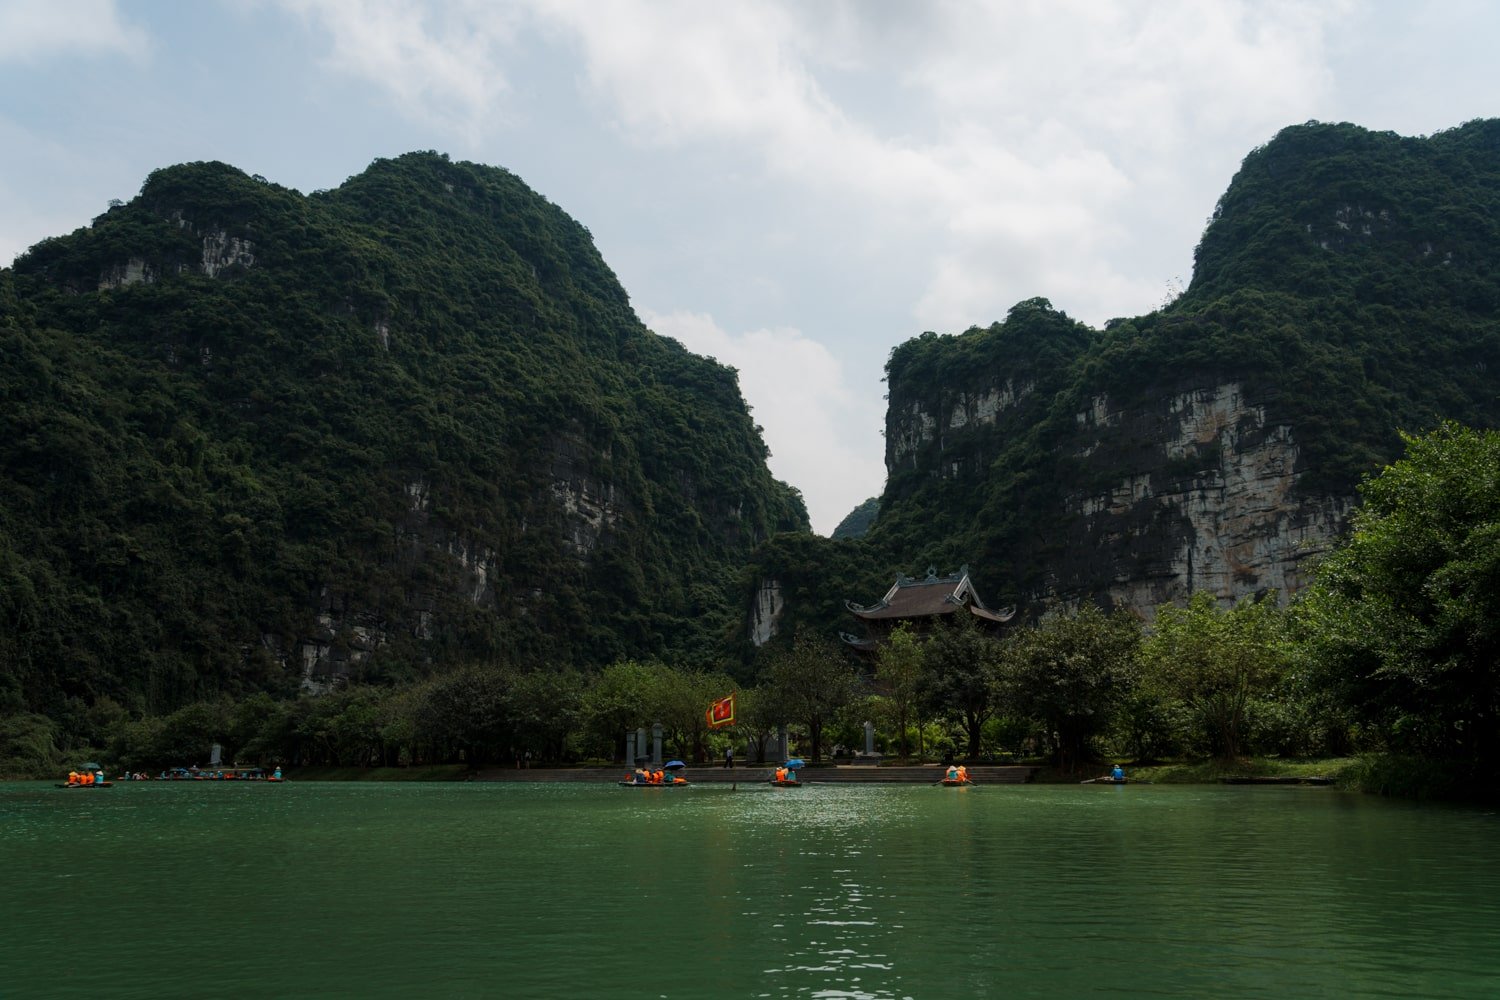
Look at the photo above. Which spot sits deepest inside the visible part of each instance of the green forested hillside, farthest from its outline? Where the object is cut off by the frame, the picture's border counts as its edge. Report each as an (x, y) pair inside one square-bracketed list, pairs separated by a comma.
[(1348, 281), (370, 432)]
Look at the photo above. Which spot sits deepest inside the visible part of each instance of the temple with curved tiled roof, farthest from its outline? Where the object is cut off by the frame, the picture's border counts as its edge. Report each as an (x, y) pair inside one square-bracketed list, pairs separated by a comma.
[(921, 603)]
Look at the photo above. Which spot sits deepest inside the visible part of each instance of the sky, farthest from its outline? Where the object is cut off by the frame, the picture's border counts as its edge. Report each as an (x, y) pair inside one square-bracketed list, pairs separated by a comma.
[(793, 188)]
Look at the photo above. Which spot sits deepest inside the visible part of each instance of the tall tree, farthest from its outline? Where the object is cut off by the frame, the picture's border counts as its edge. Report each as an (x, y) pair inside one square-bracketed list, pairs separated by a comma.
[(815, 679), (1068, 673), (961, 674), (619, 700), (898, 676), (1217, 662), (1403, 619)]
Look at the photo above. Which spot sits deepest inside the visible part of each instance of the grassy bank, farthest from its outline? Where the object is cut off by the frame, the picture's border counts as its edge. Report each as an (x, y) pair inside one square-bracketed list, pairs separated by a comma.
[(1342, 771)]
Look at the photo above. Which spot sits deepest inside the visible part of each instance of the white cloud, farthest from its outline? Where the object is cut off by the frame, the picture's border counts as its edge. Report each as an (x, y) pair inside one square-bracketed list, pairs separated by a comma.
[(440, 63), (962, 155), (31, 31), (1040, 124), (815, 424)]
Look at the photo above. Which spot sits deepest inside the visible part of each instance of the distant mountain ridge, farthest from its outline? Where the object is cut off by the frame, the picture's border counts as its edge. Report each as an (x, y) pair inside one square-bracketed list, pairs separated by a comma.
[(256, 439)]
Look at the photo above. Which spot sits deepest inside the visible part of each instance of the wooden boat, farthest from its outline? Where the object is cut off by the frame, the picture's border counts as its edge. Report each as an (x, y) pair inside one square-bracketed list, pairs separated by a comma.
[(784, 784), (955, 782), (97, 784), (679, 783)]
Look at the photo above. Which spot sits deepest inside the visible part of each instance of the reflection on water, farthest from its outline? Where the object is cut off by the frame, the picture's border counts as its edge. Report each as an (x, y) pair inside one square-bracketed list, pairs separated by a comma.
[(823, 891)]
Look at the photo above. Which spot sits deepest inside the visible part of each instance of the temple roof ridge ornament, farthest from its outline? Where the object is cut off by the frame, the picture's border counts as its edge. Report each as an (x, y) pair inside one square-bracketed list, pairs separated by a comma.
[(925, 599)]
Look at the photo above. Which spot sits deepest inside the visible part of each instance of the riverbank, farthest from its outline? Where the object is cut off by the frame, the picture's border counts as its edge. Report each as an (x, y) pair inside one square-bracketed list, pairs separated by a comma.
[(1346, 772), (1340, 771)]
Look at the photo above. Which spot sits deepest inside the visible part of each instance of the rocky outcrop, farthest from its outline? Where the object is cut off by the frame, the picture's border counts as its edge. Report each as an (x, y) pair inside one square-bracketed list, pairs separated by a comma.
[(1209, 500), (1151, 500), (765, 614), (221, 250), (134, 271), (586, 504), (916, 427)]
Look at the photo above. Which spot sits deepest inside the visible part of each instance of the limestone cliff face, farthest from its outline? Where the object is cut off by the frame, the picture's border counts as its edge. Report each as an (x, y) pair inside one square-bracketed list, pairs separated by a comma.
[(1208, 500), (765, 614), (917, 428), (1144, 502)]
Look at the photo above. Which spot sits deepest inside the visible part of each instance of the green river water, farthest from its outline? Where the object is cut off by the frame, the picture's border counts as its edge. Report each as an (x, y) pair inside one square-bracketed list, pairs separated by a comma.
[(831, 891)]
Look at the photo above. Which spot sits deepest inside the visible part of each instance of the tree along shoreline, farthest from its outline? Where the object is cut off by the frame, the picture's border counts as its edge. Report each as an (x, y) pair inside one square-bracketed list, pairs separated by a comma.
[(1388, 658), (1381, 774)]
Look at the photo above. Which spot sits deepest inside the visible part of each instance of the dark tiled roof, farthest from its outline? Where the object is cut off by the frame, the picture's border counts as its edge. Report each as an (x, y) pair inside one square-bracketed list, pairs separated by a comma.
[(917, 600), (935, 595)]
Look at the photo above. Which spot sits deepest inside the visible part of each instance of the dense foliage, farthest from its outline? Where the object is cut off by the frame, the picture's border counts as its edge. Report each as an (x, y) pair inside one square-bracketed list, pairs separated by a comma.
[(1347, 281), (1402, 626), (375, 432), (858, 520), (1389, 653)]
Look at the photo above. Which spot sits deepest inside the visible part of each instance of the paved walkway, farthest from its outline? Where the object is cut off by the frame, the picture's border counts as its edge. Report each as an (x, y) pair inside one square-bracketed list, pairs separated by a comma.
[(707, 774)]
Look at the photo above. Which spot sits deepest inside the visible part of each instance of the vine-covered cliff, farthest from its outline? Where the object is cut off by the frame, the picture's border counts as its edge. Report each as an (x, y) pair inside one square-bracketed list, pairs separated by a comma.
[(1346, 288), (252, 438)]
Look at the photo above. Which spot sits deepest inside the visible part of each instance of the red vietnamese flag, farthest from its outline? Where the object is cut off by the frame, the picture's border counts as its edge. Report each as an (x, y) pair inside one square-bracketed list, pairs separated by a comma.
[(721, 713)]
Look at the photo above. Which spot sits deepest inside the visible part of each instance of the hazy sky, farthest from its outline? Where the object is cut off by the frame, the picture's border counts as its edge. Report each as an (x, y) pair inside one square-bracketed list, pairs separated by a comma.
[(792, 188)]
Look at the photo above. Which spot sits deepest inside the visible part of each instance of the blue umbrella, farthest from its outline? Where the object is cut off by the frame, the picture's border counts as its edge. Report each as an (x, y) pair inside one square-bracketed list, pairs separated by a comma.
[(672, 765), (796, 762)]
